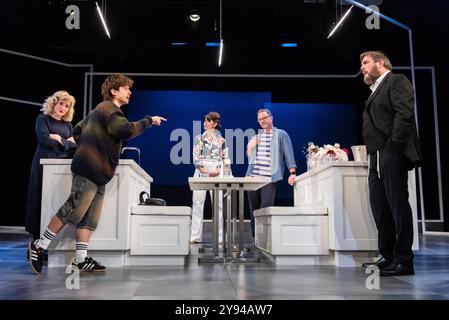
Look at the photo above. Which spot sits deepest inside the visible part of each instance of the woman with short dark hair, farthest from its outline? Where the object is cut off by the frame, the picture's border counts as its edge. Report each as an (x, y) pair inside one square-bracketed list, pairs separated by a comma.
[(207, 155)]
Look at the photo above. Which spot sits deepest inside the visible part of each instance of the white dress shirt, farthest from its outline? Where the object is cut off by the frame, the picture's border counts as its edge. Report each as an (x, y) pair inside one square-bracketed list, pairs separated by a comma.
[(378, 81)]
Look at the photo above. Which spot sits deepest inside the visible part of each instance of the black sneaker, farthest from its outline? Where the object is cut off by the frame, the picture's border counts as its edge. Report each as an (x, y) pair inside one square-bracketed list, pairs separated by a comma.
[(44, 256), (89, 265), (35, 257)]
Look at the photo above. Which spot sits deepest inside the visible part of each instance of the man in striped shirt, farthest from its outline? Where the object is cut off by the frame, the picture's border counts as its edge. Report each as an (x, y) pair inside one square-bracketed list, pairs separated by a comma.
[(268, 153)]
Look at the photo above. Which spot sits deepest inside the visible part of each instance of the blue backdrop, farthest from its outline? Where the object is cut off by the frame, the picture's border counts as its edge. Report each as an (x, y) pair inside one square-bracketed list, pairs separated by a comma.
[(320, 123)]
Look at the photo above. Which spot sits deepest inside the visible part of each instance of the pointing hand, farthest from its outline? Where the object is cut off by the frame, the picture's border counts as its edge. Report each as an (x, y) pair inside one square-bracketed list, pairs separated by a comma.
[(157, 120)]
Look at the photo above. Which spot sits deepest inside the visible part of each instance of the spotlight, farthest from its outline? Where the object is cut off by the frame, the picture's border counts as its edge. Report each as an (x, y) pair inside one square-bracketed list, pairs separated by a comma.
[(194, 15)]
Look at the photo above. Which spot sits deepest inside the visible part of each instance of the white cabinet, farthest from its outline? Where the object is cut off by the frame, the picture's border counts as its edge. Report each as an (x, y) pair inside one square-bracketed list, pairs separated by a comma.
[(298, 235), (159, 235), (122, 192), (342, 187)]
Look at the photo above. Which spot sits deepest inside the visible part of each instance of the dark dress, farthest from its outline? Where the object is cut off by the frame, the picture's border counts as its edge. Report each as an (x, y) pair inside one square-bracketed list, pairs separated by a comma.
[(46, 148)]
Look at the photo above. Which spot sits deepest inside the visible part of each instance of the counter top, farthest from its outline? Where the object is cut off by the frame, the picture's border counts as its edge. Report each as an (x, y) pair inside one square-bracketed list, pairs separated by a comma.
[(124, 162), (332, 164)]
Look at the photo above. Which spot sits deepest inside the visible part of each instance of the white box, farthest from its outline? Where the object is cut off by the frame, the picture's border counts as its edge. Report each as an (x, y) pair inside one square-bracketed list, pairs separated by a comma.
[(292, 231), (160, 230)]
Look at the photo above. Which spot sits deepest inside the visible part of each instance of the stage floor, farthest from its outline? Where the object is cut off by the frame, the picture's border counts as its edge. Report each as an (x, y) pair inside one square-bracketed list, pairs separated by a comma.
[(227, 281)]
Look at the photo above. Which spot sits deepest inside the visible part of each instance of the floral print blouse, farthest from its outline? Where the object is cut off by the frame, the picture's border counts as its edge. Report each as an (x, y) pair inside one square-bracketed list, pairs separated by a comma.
[(207, 147)]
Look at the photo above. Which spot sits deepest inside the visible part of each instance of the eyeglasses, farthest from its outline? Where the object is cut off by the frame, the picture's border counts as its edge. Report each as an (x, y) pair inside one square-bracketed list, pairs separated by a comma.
[(263, 118)]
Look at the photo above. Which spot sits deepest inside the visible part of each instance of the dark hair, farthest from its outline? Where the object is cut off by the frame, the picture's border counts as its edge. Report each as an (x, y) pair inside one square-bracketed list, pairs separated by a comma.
[(114, 81), (377, 56), (215, 117)]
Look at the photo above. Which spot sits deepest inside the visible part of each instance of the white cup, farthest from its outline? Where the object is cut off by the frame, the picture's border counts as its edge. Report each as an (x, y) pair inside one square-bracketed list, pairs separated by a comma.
[(359, 153)]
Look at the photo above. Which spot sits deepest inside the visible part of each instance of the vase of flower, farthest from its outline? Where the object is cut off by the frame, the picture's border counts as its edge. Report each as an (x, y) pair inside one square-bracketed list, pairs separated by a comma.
[(326, 154)]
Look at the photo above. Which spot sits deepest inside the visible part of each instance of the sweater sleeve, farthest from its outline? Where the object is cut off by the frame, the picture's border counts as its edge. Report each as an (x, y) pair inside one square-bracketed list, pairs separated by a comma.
[(119, 127), (77, 131)]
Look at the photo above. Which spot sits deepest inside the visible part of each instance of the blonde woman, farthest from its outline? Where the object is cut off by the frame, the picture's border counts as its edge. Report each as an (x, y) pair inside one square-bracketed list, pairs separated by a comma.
[(54, 140)]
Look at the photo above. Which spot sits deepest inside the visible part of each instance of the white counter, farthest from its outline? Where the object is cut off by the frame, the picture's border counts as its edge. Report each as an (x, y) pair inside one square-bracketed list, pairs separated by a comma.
[(342, 187), (331, 220), (112, 236)]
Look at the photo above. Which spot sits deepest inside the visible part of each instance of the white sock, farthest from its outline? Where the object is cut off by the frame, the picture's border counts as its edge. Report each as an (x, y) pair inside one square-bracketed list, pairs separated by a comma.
[(45, 239), (81, 251)]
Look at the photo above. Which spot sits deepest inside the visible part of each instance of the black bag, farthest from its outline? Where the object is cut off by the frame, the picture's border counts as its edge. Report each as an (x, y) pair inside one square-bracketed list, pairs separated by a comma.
[(150, 201)]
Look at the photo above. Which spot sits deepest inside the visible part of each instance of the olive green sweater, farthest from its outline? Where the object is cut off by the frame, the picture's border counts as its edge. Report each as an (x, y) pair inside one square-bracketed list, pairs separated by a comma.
[(99, 138)]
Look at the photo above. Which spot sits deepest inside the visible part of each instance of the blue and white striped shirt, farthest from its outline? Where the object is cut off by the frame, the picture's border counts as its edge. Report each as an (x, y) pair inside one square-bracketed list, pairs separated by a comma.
[(262, 165), (281, 155)]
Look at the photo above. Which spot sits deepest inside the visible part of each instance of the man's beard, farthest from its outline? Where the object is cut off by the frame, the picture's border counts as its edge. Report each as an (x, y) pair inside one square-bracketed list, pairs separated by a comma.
[(372, 76)]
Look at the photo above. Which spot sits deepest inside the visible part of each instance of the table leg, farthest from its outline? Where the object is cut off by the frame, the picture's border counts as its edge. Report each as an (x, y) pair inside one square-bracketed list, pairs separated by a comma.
[(228, 222), (215, 221), (241, 219), (234, 220), (223, 227)]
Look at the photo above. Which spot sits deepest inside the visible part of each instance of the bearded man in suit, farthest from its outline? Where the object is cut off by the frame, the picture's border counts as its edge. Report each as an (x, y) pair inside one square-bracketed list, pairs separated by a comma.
[(390, 135)]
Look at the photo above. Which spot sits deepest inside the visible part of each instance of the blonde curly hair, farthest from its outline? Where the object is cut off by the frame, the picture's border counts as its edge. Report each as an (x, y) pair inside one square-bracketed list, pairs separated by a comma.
[(51, 101)]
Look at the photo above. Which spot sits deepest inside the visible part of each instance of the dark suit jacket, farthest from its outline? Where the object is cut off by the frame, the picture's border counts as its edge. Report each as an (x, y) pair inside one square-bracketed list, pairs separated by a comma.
[(388, 119)]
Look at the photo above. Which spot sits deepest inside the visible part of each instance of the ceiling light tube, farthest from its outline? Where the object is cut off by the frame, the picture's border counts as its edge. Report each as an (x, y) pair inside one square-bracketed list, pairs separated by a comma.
[(339, 22), (102, 20), (220, 54)]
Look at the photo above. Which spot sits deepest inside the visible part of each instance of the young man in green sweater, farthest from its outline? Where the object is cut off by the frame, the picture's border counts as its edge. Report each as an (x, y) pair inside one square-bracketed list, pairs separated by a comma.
[(99, 138)]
